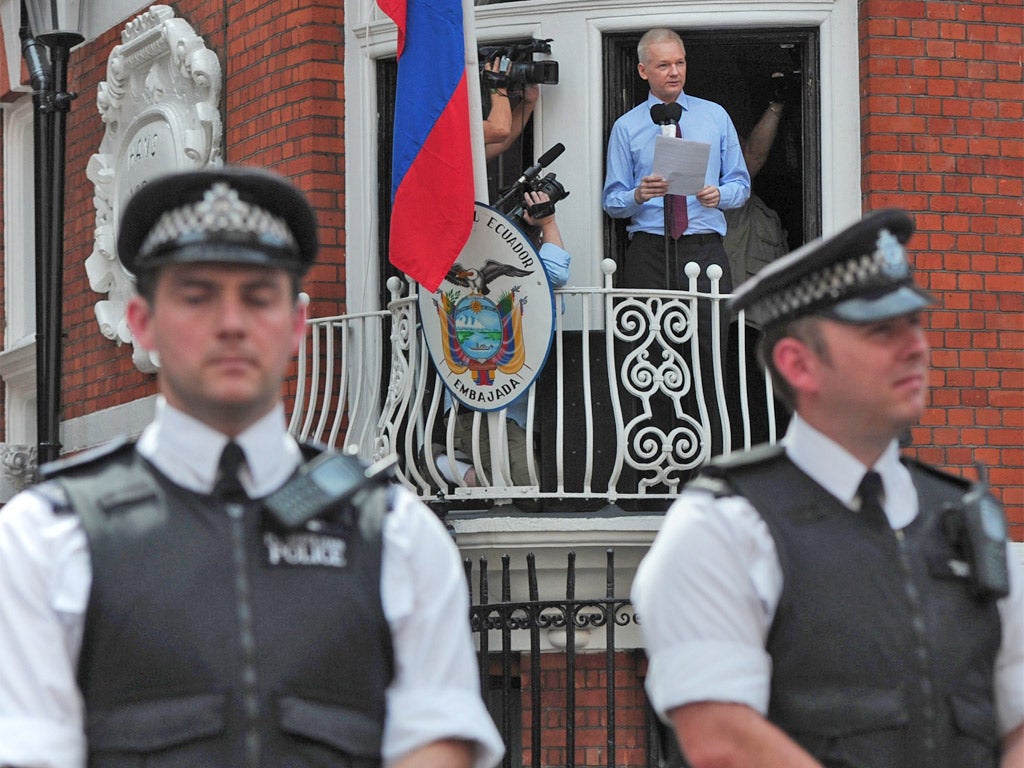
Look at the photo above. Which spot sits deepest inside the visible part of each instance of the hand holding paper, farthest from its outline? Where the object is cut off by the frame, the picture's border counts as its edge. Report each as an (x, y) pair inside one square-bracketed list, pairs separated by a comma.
[(682, 163)]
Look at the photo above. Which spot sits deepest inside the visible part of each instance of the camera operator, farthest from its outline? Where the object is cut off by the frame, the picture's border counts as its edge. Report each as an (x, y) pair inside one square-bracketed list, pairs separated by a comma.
[(509, 72), (503, 124), (754, 235), (754, 238), (543, 230), (546, 236)]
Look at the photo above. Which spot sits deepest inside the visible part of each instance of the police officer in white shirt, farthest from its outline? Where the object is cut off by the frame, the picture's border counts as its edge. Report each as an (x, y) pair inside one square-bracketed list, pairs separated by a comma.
[(216, 594), (827, 602)]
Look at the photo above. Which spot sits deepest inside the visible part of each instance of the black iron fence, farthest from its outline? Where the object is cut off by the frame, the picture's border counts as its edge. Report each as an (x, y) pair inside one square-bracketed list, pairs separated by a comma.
[(562, 691)]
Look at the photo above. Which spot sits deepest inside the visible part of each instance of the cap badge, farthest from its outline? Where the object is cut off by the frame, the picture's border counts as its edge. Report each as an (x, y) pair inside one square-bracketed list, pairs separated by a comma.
[(891, 256), (220, 210)]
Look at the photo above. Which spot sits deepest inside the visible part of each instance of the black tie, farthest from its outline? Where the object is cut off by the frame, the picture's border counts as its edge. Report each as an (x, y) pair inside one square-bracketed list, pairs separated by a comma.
[(227, 486), (870, 493)]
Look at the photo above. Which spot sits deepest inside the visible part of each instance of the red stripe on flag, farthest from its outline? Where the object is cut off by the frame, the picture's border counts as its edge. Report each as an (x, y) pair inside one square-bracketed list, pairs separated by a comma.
[(396, 10)]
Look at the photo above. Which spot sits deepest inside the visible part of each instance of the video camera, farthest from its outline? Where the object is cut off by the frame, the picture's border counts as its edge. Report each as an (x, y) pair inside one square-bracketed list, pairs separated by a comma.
[(516, 67), (510, 201), (554, 190)]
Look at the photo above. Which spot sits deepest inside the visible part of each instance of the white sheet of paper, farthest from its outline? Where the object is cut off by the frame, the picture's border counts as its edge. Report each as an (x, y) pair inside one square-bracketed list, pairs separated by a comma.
[(684, 163)]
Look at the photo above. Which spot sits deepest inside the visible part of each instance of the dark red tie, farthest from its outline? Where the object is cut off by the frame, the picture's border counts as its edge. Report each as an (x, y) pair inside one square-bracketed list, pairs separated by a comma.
[(678, 217)]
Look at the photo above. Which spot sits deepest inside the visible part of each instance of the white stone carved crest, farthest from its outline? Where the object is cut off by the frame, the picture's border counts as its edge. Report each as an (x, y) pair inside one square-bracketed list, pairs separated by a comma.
[(160, 106), (18, 465)]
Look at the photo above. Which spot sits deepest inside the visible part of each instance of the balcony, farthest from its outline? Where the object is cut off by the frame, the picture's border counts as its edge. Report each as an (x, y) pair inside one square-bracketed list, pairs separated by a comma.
[(621, 416)]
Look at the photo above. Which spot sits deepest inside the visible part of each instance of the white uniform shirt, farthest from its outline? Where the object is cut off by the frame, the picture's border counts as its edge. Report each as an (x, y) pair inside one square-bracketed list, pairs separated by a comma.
[(45, 577), (707, 590)]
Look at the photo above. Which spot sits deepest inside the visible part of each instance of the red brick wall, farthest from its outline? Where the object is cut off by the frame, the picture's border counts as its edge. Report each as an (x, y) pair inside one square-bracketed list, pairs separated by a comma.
[(942, 136), (284, 109), (284, 97), (591, 731)]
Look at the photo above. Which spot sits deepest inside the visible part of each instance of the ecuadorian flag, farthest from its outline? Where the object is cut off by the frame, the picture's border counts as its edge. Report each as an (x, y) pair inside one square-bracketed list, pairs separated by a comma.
[(432, 187)]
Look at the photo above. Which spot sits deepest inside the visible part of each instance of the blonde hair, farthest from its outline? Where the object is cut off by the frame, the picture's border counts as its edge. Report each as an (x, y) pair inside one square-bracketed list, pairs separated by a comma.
[(652, 36)]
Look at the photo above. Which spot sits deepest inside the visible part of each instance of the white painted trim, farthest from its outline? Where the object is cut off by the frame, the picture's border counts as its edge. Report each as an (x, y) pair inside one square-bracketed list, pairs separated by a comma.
[(18, 366), (550, 539), (571, 111), (10, 18), (362, 283), (19, 229), (92, 429), (18, 356), (18, 372)]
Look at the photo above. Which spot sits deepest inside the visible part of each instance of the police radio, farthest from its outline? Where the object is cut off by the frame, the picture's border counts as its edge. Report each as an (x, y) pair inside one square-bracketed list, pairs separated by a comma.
[(976, 525), (329, 480)]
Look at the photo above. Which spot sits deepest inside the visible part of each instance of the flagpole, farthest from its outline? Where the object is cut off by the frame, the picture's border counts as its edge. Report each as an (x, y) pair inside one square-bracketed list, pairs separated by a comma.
[(500, 474), (476, 122)]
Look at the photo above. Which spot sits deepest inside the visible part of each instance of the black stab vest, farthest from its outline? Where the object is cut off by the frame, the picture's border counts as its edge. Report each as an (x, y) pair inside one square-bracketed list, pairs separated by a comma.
[(213, 638), (881, 658)]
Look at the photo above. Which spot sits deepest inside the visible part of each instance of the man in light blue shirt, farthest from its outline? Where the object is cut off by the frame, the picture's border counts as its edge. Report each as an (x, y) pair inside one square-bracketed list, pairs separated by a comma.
[(632, 192), (654, 258)]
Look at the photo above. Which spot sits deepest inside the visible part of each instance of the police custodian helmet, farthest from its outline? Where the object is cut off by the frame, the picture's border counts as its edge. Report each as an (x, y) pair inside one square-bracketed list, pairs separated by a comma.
[(859, 275), (230, 214)]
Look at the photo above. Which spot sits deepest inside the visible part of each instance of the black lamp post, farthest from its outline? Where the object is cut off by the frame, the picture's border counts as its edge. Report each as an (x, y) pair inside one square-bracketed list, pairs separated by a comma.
[(54, 24)]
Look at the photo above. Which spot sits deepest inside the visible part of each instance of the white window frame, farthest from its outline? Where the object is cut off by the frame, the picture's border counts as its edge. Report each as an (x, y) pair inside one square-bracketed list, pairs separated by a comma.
[(18, 356), (575, 111)]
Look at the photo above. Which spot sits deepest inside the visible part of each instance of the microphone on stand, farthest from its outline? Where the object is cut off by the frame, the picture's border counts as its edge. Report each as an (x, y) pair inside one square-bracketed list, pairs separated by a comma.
[(667, 116)]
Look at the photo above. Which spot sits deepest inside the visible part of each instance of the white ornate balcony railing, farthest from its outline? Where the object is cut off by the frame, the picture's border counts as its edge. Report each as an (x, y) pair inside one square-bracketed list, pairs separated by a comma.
[(619, 414)]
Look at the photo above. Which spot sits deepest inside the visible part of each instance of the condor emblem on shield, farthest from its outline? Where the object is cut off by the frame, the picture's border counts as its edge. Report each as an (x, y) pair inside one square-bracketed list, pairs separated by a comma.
[(488, 326)]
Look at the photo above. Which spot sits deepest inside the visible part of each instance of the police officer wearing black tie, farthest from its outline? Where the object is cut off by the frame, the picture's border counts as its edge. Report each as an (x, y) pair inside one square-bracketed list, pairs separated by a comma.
[(215, 593), (827, 601)]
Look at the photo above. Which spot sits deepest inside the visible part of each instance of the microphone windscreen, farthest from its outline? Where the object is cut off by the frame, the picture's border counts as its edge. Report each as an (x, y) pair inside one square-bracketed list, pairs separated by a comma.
[(658, 114), (673, 112), (551, 154)]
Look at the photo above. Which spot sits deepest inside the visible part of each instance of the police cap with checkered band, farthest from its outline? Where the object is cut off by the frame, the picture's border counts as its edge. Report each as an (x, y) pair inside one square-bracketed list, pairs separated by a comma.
[(859, 275), (229, 215)]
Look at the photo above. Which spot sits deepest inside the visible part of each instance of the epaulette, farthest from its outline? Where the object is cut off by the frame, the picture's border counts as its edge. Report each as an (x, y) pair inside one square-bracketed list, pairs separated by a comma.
[(54, 495), (86, 458), (718, 487), (756, 455), (937, 474), (714, 478), (311, 449)]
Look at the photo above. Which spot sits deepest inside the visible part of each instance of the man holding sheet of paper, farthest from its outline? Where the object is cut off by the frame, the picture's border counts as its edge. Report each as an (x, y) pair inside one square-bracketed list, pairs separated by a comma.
[(643, 167), (662, 180)]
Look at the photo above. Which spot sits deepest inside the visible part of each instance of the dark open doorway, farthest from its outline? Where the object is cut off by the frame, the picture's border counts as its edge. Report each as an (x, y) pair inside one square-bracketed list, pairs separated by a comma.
[(734, 68)]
